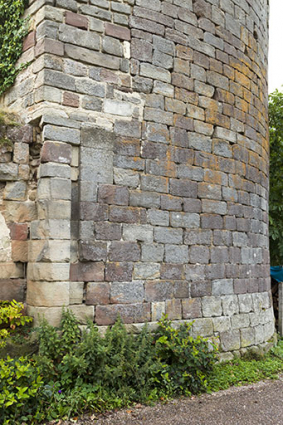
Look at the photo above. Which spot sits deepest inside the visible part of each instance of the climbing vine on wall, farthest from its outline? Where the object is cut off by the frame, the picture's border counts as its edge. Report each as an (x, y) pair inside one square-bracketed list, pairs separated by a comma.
[(13, 28)]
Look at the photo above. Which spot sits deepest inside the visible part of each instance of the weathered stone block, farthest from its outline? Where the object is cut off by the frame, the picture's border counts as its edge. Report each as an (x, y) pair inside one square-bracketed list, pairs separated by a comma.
[(127, 293), (130, 313), (47, 294), (97, 293)]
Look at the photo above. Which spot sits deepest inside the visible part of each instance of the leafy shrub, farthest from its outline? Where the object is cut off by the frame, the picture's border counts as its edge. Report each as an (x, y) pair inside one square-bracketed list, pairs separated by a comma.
[(11, 317), (90, 371), (185, 361), (19, 390), (13, 30)]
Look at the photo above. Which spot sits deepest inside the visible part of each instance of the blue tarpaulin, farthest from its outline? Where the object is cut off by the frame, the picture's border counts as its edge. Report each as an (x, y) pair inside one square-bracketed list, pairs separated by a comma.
[(277, 273)]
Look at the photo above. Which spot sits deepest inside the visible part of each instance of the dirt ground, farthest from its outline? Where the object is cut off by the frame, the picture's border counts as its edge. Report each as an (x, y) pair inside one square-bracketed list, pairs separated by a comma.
[(257, 404)]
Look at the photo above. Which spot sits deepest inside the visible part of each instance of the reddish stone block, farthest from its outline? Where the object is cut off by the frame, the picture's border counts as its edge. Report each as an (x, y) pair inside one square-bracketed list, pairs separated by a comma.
[(97, 293), (87, 272), (119, 272), (76, 20), (127, 215), (20, 251), (172, 271), (110, 194), (117, 32), (22, 134), (130, 313), (93, 211), (13, 289), (124, 251), (191, 308), (92, 251), (47, 45), (29, 41), (56, 152), (19, 232), (71, 99), (159, 290), (173, 308)]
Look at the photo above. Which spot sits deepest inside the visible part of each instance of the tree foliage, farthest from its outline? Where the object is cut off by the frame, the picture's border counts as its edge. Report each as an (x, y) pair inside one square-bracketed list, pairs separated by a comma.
[(13, 30), (276, 177)]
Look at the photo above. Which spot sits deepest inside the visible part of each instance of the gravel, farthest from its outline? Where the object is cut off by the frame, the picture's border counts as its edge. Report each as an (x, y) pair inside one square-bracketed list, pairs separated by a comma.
[(260, 403)]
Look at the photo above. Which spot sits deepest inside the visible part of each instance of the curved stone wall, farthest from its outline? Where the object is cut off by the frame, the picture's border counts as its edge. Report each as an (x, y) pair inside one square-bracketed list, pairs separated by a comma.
[(155, 155)]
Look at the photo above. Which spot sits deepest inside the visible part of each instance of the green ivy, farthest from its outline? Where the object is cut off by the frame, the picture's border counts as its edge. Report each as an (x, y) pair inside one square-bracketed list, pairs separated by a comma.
[(13, 30)]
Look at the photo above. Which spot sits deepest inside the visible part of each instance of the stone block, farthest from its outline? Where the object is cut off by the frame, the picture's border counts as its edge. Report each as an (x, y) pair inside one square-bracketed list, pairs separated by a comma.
[(247, 337), (230, 305), (152, 252), (13, 289), (119, 272), (52, 314), (173, 309), (23, 134), (157, 310), (92, 251), (8, 172), (240, 321), (211, 306), (127, 293), (15, 191), (130, 313), (97, 293), (47, 294), (230, 340), (76, 292), (117, 31), (124, 251), (21, 153), (139, 233), (146, 271), (222, 287), (176, 254), (203, 327), (49, 272), (76, 20), (168, 235), (87, 272), (83, 313), (221, 324), (89, 56), (108, 231), (20, 251), (191, 308), (159, 290), (110, 194), (11, 270), (56, 152)]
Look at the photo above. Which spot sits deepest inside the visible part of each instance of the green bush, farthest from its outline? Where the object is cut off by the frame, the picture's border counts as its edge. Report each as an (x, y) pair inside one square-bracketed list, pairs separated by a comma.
[(13, 30), (90, 371), (11, 318), (185, 362), (20, 384)]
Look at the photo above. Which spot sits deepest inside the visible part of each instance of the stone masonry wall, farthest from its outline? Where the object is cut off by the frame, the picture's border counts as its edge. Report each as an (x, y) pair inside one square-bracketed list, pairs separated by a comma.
[(153, 184), (18, 160)]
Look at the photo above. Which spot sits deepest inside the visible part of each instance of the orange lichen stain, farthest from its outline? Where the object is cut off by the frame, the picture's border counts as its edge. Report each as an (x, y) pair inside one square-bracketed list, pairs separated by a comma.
[(242, 79), (214, 117), (215, 177)]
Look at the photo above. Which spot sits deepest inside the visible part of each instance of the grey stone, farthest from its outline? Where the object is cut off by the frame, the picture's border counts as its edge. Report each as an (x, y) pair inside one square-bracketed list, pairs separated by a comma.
[(127, 293), (146, 271), (211, 306), (222, 287), (152, 252), (176, 254)]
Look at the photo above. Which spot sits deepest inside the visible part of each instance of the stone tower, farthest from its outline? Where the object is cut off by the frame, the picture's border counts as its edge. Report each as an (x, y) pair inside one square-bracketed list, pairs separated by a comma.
[(151, 194)]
